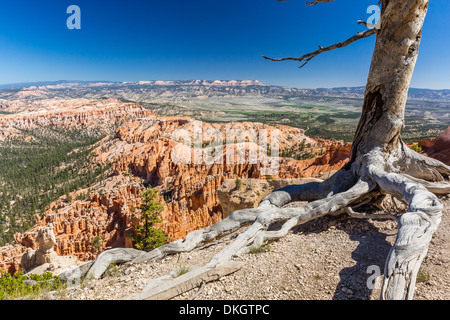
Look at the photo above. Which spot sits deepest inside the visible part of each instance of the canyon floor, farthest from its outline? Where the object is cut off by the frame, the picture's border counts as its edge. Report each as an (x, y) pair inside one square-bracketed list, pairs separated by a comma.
[(331, 258)]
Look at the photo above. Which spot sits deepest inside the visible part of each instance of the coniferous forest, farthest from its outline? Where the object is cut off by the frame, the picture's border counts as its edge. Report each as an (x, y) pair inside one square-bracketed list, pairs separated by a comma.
[(49, 163)]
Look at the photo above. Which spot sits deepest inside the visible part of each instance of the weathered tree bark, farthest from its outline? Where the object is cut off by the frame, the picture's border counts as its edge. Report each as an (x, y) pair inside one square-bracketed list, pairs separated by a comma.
[(380, 164), (378, 147), (394, 58)]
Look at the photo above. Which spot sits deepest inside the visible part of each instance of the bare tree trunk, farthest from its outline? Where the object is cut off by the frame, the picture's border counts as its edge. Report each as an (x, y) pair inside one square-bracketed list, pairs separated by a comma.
[(393, 62), (378, 147)]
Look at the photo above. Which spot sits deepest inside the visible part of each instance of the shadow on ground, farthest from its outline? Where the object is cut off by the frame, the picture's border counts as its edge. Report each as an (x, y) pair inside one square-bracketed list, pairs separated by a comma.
[(356, 282)]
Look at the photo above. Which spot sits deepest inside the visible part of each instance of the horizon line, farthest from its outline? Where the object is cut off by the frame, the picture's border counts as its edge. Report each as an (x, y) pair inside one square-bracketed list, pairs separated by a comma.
[(119, 81)]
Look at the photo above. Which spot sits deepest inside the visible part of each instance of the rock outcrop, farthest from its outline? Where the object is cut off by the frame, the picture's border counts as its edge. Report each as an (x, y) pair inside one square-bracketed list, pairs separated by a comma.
[(105, 213), (10, 257), (236, 194), (45, 239), (45, 258)]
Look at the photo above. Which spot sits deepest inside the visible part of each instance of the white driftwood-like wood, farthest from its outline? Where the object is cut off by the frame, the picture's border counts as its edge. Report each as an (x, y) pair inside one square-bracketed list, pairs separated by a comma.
[(108, 257), (416, 228), (170, 286)]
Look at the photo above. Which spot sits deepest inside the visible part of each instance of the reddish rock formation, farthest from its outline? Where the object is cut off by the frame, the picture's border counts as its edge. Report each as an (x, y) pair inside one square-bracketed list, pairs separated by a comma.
[(10, 256), (106, 214), (334, 157), (439, 147), (144, 148)]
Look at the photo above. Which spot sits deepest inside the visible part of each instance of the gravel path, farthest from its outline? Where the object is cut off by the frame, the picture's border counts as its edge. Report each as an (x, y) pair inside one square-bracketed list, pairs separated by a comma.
[(331, 258)]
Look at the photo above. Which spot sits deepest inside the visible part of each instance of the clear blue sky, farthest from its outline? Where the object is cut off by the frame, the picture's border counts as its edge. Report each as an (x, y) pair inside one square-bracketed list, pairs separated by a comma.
[(203, 39)]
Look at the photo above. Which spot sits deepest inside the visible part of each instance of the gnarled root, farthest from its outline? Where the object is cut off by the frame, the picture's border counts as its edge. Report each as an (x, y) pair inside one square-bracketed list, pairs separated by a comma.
[(416, 228), (313, 210), (257, 231), (305, 192)]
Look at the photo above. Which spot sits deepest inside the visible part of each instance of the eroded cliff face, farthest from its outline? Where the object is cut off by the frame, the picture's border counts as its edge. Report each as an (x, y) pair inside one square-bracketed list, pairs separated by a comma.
[(71, 114), (141, 152), (104, 212)]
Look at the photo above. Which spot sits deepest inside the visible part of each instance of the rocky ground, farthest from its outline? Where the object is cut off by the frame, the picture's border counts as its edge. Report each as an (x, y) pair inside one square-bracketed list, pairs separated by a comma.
[(324, 259)]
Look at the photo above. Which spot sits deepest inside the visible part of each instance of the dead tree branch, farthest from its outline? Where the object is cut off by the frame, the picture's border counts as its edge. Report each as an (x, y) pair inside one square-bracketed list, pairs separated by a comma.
[(316, 2), (307, 57)]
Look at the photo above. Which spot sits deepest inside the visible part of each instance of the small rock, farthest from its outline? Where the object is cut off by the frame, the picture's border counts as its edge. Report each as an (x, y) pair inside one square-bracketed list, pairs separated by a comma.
[(129, 270), (29, 282)]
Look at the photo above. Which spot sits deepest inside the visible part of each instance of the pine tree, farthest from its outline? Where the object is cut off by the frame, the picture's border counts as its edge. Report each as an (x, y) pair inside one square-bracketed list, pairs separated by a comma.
[(147, 237)]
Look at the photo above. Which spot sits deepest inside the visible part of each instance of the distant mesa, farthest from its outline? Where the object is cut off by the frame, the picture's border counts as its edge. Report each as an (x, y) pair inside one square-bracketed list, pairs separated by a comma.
[(224, 83)]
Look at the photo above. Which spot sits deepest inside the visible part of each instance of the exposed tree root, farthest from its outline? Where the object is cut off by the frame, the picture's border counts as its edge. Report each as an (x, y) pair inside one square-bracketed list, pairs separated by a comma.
[(172, 285), (361, 215), (313, 210), (258, 231), (307, 192), (415, 230), (108, 257), (195, 295)]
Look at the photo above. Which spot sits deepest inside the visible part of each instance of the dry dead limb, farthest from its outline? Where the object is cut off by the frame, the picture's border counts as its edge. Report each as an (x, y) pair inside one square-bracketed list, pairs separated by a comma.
[(309, 56), (170, 286), (363, 215), (317, 1)]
